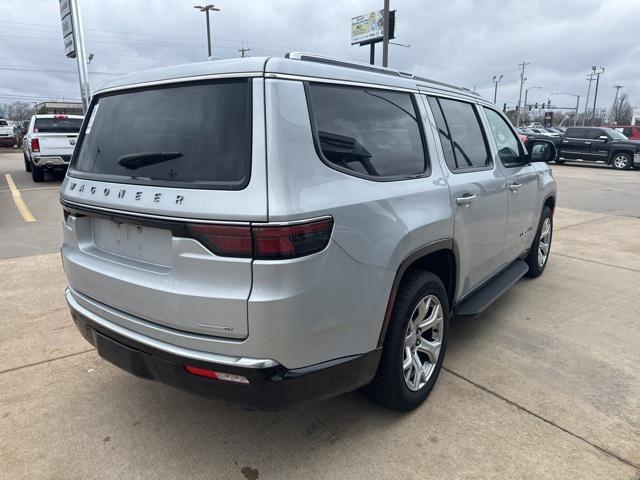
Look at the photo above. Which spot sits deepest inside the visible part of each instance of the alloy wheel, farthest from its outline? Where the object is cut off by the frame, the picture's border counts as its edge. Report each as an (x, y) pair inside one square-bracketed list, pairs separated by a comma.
[(545, 242), (423, 342), (620, 161)]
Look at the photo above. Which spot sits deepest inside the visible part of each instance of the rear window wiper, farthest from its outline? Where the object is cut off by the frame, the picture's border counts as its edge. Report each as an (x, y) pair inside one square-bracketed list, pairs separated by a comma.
[(133, 161)]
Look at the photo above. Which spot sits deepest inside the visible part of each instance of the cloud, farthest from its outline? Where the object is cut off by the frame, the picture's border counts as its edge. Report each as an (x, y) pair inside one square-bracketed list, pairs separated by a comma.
[(463, 42)]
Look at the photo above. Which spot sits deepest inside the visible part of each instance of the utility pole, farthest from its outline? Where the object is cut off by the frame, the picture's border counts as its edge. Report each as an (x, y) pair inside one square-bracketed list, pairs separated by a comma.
[(615, 104), (522, 80), (243, 51), (206, 9), (496, 80), (595, 96), (385, 38), (586, 103)]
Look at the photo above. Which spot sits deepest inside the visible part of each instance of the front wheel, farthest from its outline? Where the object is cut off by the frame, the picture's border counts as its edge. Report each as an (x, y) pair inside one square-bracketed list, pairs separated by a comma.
[(621, 161), (541, 247), (414, 345)]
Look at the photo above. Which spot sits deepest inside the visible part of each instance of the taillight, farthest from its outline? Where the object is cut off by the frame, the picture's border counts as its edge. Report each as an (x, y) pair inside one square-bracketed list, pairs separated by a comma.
[(213, 375), (290, 241), (59, 117), (265, 242), (224, 240), (35, 145)]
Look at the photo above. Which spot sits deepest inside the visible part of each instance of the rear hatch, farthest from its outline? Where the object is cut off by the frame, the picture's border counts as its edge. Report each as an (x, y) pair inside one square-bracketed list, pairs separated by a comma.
[(57, 135), (154, 169)]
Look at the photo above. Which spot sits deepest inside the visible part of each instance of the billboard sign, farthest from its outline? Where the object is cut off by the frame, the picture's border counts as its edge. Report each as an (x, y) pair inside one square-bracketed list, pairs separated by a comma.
[(67, 28), (368, 27), (635, 120)]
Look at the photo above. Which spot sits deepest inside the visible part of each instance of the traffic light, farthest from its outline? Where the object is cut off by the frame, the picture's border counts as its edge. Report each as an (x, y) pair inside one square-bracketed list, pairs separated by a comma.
[(549, 104), (504, 107), (536, 105)]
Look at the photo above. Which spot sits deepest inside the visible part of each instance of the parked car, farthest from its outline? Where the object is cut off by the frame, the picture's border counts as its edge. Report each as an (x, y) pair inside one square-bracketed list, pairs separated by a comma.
[(7, 137), (275, 230), (632, 132), (599, 145), (49, 143), (523, 135), (554, 132)]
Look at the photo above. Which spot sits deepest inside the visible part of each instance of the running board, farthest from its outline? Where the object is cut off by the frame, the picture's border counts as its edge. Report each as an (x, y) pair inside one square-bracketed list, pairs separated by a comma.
[(489, 293)]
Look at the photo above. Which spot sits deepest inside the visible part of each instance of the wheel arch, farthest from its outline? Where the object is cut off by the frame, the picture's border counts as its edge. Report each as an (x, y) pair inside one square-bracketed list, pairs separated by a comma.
[(438, 258), (617, 151)]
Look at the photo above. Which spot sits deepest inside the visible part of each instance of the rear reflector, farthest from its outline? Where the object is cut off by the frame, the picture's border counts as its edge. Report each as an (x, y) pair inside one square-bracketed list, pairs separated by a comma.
[(265, 242), (35, 145), (225, 377)]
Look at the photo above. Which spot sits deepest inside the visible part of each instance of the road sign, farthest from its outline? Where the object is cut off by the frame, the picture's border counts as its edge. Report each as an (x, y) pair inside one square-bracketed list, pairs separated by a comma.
[(67, 28)]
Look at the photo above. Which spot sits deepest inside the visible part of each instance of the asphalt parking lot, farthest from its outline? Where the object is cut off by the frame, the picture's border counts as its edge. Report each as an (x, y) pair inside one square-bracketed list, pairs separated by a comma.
[(545, 384)]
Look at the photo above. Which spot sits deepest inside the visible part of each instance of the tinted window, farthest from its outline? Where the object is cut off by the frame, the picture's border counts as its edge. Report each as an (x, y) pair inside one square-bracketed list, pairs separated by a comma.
[(506, 141), (197, 134), (368, 131), (3, 123), (577, 133), (627, 131), (445, 136), (614, 133), (469, 145), (57, 125)]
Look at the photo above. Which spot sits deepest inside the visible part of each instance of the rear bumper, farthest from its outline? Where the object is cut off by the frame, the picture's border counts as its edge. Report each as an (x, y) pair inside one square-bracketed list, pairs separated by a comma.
[(271, 386), (8, 141), (52, 161)]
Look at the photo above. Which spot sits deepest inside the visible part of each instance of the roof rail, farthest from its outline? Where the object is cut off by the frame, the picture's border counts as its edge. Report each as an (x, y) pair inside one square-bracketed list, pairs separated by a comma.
[(313, 57)]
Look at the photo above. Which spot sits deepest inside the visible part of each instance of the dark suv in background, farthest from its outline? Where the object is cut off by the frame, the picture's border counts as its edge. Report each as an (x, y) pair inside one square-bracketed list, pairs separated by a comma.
[(599, 145)]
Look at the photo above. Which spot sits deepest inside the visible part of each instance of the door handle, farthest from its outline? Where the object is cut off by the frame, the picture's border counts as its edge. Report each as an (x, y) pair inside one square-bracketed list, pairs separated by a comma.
[(587, 143), (514, 187), (465, 200)]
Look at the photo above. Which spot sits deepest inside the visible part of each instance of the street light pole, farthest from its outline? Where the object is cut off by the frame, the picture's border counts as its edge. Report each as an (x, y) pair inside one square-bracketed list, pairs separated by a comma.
[(575, 122), (595, 96), (526, 94), (206, 9), (615, 104), (496, 80)]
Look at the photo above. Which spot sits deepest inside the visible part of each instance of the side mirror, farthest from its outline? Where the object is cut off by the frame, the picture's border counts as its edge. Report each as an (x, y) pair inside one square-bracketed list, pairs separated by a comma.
[(541, 150), (604, 138)]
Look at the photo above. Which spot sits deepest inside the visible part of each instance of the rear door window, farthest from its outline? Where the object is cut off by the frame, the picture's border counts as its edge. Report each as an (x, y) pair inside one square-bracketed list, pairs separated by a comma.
[(57, 125), (577, 133), (468, 143), (367, 132), (188, 135)]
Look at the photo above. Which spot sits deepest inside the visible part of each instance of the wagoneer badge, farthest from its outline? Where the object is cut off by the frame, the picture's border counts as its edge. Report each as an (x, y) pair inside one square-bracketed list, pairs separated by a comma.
[(122, 193)]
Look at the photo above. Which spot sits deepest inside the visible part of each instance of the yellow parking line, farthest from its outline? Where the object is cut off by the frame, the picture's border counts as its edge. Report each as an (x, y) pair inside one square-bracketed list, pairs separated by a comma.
[(17, 199)]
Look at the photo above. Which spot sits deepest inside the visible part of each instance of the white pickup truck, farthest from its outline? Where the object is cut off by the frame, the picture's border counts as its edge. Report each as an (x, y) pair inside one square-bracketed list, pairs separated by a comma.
[(7, 137), (49, 143)]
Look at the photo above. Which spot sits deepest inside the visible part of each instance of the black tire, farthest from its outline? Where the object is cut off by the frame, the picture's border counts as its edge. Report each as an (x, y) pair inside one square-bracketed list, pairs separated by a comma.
[(535, 269), (621, 161), (27, 163), (37, 173), (389, 387)]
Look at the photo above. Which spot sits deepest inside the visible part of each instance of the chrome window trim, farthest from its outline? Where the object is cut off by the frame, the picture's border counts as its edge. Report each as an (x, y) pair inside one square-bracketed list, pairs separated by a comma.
[(350, 83), (193, 78)]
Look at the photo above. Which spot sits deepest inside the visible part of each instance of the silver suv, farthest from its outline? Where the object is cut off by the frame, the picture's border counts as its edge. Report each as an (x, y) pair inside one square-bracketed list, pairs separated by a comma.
[(275, 230)]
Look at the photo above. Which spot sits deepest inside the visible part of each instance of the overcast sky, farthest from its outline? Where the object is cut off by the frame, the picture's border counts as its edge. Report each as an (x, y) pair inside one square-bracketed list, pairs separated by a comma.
[(464, 42)]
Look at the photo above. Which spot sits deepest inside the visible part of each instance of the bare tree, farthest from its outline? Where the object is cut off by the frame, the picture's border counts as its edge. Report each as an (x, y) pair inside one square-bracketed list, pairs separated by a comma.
[(17, 110), (622, 112)]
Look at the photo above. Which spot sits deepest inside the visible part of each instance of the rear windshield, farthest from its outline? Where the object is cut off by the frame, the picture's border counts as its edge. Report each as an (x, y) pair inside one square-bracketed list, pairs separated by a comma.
[(196, 135), (57, 125), (3, 123)]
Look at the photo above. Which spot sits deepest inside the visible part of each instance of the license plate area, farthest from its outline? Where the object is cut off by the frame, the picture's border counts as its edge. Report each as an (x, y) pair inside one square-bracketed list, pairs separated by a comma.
[(136, 242)]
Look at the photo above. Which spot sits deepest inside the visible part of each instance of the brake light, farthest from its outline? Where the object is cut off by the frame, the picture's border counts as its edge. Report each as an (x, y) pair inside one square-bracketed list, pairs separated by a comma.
[(60, 117), (35, 145), (290, 241), (224, 240), (265, 242)]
